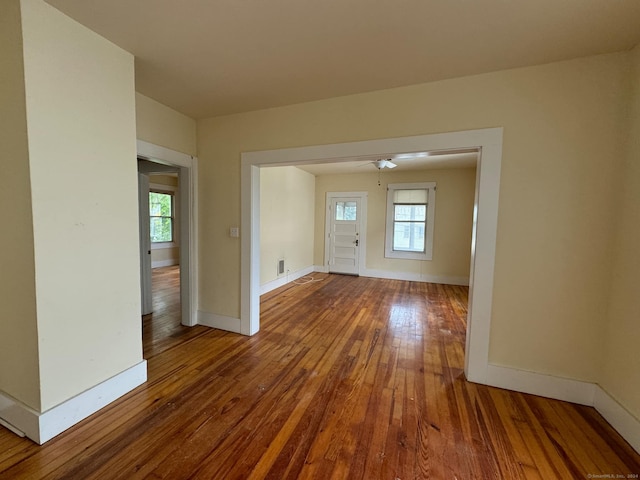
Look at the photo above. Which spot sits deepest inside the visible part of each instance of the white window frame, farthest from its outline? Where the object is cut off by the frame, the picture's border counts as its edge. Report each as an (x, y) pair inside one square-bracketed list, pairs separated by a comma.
[(389, 252), (168, 190)]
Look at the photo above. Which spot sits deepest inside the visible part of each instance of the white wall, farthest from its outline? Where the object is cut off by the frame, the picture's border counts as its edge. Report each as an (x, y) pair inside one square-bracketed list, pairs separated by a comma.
[(621, 344), (158, 124), (81, 120), (19, 372), (286, 221)]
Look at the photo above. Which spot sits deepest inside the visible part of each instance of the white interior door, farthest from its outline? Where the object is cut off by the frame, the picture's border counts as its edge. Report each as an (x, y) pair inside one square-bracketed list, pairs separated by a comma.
[(344, 235), (145, 244)]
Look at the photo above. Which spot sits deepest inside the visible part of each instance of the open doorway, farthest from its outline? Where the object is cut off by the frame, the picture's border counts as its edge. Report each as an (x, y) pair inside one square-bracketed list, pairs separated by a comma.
[(160, 239), (168, 179), (487, 142)]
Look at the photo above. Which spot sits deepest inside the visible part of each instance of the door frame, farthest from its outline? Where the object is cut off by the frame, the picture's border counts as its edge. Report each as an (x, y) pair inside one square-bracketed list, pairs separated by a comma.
[(362, 216), (488, 142), (188, 193)]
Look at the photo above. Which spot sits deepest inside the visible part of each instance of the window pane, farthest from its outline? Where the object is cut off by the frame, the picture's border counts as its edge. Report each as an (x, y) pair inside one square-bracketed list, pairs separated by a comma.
[(408, 236), (410, 212), (161, 229), (160, 204), (346, 211)]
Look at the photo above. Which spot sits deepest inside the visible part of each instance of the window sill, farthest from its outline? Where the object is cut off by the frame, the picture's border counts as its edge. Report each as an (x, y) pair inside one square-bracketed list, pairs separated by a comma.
[(408, 255)]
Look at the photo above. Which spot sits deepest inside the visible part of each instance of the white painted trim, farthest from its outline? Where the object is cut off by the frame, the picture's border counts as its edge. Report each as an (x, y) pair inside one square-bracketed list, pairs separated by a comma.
[(221, 322), (289, 277), (415, 277), (548, 386), (568, 390), (41, 427), (321, 268), (362, 250), (20, 417), (389, 252), (618, 417), (250, 248), (164, 263), (163, 155), (488, 140), (483, 255), (189, 229)]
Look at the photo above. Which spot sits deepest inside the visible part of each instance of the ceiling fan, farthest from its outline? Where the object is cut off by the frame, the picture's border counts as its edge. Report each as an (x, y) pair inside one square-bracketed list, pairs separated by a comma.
[(380, 164), (383, 163)]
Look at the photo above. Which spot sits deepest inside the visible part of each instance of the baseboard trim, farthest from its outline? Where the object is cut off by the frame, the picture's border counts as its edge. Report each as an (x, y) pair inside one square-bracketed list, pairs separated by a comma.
[(221, 322), (618, 417), (283, 280), (42, 427), (542, 385), (568, 390), (415, 277), (411, 277), (164, 263)]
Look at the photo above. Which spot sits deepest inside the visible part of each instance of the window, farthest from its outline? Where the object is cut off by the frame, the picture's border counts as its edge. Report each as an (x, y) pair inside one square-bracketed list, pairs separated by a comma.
[(346, 211), (161, 215), (410, 215)]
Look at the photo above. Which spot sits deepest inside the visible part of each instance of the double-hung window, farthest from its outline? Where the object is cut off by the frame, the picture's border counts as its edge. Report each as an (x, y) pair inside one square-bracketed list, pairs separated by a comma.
[(410, 215), (161, 207)]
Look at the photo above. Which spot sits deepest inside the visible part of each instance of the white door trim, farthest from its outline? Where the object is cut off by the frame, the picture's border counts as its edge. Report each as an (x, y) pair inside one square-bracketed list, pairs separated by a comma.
[(188, 191), (485, 221), (362, 196)]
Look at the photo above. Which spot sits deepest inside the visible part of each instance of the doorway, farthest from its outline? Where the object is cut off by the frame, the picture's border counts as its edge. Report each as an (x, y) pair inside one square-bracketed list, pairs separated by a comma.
[(487, 142), (160, 233), (156, 159)]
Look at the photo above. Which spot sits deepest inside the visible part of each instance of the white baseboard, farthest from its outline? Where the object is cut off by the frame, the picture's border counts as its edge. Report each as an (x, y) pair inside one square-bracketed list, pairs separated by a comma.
[(284, 279), (221, 322), (411, 277), (164, 263), (41, 427), (415, 277), (575, 391), (548, 386), (618, 417)]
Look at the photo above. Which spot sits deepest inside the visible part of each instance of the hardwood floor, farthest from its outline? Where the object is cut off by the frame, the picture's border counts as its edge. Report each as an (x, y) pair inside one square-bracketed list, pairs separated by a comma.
[(349, 378)]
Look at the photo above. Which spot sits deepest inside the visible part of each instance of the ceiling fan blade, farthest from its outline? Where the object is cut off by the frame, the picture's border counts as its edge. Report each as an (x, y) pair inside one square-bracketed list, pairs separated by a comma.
[(384, 163)]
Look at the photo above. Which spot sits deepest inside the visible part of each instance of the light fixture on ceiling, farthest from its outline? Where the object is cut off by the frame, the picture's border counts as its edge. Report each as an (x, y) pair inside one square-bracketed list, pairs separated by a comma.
[(384, 163)]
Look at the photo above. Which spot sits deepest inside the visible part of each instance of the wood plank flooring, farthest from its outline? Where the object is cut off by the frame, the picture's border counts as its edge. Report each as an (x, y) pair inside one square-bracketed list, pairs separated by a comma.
[(349, 378)]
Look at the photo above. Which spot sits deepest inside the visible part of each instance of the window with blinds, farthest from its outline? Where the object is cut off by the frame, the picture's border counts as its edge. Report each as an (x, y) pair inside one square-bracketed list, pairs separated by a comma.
[(410, 210)]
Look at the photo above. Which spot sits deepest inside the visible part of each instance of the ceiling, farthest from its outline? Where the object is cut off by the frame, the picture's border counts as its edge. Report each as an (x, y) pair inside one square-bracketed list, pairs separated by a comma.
[(403, 161), (214, 57)]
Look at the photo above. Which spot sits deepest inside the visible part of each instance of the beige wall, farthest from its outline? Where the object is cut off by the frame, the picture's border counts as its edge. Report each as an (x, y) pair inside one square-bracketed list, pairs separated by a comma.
[(562, 146), (286, 220), (80, 120), (161, 125), (622, 341), (19, 374), (453, 219)]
